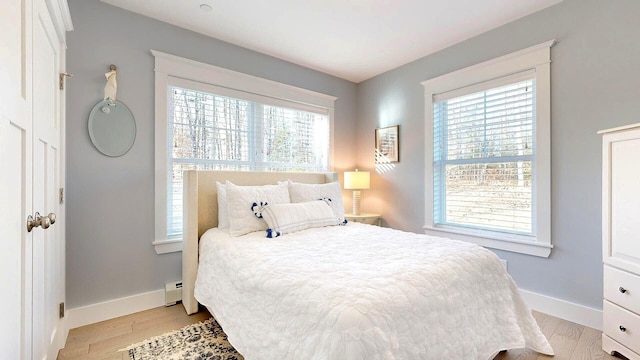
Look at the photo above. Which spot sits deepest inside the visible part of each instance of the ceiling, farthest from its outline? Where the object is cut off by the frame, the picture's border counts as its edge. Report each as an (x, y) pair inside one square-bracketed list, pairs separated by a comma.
[(351, 39)]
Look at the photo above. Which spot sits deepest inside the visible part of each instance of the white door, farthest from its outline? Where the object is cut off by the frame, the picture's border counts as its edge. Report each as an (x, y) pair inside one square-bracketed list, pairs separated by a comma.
[(47, 253), (15, 180), (31, 263)]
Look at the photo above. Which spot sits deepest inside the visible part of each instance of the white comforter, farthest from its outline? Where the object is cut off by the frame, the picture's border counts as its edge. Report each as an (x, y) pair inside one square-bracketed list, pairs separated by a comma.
[(361, 292)]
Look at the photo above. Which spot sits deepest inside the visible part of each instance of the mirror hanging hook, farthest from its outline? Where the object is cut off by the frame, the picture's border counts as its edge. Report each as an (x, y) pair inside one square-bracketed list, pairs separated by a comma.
[(111, 87)]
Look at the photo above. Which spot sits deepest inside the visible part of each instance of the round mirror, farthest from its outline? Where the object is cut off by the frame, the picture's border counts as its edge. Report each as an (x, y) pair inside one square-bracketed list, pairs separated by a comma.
[(112, 128)]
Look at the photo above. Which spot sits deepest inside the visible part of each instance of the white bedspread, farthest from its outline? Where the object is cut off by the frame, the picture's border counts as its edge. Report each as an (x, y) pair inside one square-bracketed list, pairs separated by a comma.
[(361, 292)]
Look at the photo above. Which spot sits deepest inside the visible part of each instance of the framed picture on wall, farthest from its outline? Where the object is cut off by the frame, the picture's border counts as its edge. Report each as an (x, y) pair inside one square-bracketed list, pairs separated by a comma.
[(387, 144)]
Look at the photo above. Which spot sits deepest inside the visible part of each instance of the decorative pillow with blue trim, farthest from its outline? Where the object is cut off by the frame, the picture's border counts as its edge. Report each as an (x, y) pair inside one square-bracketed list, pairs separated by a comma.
[(288, 218), (241, 209), (301, 192)]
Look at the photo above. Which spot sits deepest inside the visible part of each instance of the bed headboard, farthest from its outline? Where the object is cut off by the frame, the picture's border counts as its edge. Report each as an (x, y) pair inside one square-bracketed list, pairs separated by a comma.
[(200, 212)]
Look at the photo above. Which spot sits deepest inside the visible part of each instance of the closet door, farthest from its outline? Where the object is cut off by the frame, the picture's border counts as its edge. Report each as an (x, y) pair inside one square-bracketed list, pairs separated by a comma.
[(31, 260), (16, 179), (48, 253)]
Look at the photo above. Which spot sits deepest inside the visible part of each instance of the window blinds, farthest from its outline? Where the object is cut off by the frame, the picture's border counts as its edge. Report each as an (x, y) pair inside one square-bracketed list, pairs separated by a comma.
[(215, 132), (484, 154)]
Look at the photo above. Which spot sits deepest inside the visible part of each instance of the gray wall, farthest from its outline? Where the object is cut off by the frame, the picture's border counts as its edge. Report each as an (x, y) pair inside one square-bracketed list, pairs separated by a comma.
[(110, 201), (595, 79)]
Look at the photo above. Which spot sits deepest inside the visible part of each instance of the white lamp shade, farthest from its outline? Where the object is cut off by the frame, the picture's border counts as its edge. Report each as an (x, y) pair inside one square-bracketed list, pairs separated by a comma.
[(356, 180)]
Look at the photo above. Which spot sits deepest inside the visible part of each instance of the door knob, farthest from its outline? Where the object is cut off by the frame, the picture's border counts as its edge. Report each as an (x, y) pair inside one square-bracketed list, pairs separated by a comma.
[(52, 218), (44, 221), (31, 223), (39, 220)]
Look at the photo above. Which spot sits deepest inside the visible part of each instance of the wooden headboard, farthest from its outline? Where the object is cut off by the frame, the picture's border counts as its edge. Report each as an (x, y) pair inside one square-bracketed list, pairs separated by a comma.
[(200, 212)]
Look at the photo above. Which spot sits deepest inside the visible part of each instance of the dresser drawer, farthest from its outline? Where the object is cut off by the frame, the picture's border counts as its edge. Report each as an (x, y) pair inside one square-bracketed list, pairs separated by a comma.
[(622, 326), (622, 288)]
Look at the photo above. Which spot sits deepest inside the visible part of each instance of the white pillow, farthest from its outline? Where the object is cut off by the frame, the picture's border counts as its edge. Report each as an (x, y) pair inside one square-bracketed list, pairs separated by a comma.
[(300, 192), (240, 200), (288, 218), (223, 212)]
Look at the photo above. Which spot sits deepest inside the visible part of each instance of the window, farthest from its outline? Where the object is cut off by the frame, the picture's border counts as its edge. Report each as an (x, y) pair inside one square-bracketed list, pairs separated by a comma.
[(488, 174), (227, 125), (213, 132), (483, 158)]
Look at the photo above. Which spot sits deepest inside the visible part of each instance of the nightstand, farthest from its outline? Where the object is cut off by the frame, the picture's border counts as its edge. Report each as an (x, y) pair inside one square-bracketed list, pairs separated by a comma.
[(365, 218)]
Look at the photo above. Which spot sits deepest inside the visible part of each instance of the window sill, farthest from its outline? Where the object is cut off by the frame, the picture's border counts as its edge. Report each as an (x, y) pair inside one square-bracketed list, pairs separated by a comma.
[(167, 246), (513, 245)]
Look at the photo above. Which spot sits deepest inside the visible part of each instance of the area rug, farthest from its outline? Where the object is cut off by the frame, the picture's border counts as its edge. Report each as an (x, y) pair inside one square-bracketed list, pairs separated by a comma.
[(201, 341)]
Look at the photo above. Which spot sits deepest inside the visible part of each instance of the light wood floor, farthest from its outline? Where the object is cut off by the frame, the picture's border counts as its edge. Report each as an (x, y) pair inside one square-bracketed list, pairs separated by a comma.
[(102, 341)]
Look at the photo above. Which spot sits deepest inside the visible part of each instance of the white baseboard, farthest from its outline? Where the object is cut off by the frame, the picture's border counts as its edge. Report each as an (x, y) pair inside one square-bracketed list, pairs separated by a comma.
[(111, 309), (563, 309)]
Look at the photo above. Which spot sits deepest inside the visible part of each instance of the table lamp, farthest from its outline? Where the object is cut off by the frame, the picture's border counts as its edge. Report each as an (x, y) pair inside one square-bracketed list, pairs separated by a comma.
[(356, 181)]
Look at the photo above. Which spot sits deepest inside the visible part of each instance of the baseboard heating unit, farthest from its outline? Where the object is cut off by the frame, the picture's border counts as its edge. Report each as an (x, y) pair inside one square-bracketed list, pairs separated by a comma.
[(172, 293)]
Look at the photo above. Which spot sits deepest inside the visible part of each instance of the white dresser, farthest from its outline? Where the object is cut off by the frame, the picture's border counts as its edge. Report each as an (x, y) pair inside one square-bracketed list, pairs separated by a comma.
[(621, 240)]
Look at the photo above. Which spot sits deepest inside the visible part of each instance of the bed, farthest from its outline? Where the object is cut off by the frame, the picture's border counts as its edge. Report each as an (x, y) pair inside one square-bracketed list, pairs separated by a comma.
[(346, 292)]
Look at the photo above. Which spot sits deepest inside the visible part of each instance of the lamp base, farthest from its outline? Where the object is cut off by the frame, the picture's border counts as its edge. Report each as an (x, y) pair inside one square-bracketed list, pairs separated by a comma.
[(355, 206)]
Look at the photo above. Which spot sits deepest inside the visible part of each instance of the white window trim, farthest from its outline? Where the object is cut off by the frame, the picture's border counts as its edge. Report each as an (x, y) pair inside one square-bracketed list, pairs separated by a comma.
[(537, 58), (170, 66)]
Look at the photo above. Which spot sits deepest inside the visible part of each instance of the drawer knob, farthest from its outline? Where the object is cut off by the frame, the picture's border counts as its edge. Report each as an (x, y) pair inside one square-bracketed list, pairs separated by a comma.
[(622, 290), (622, 328)]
